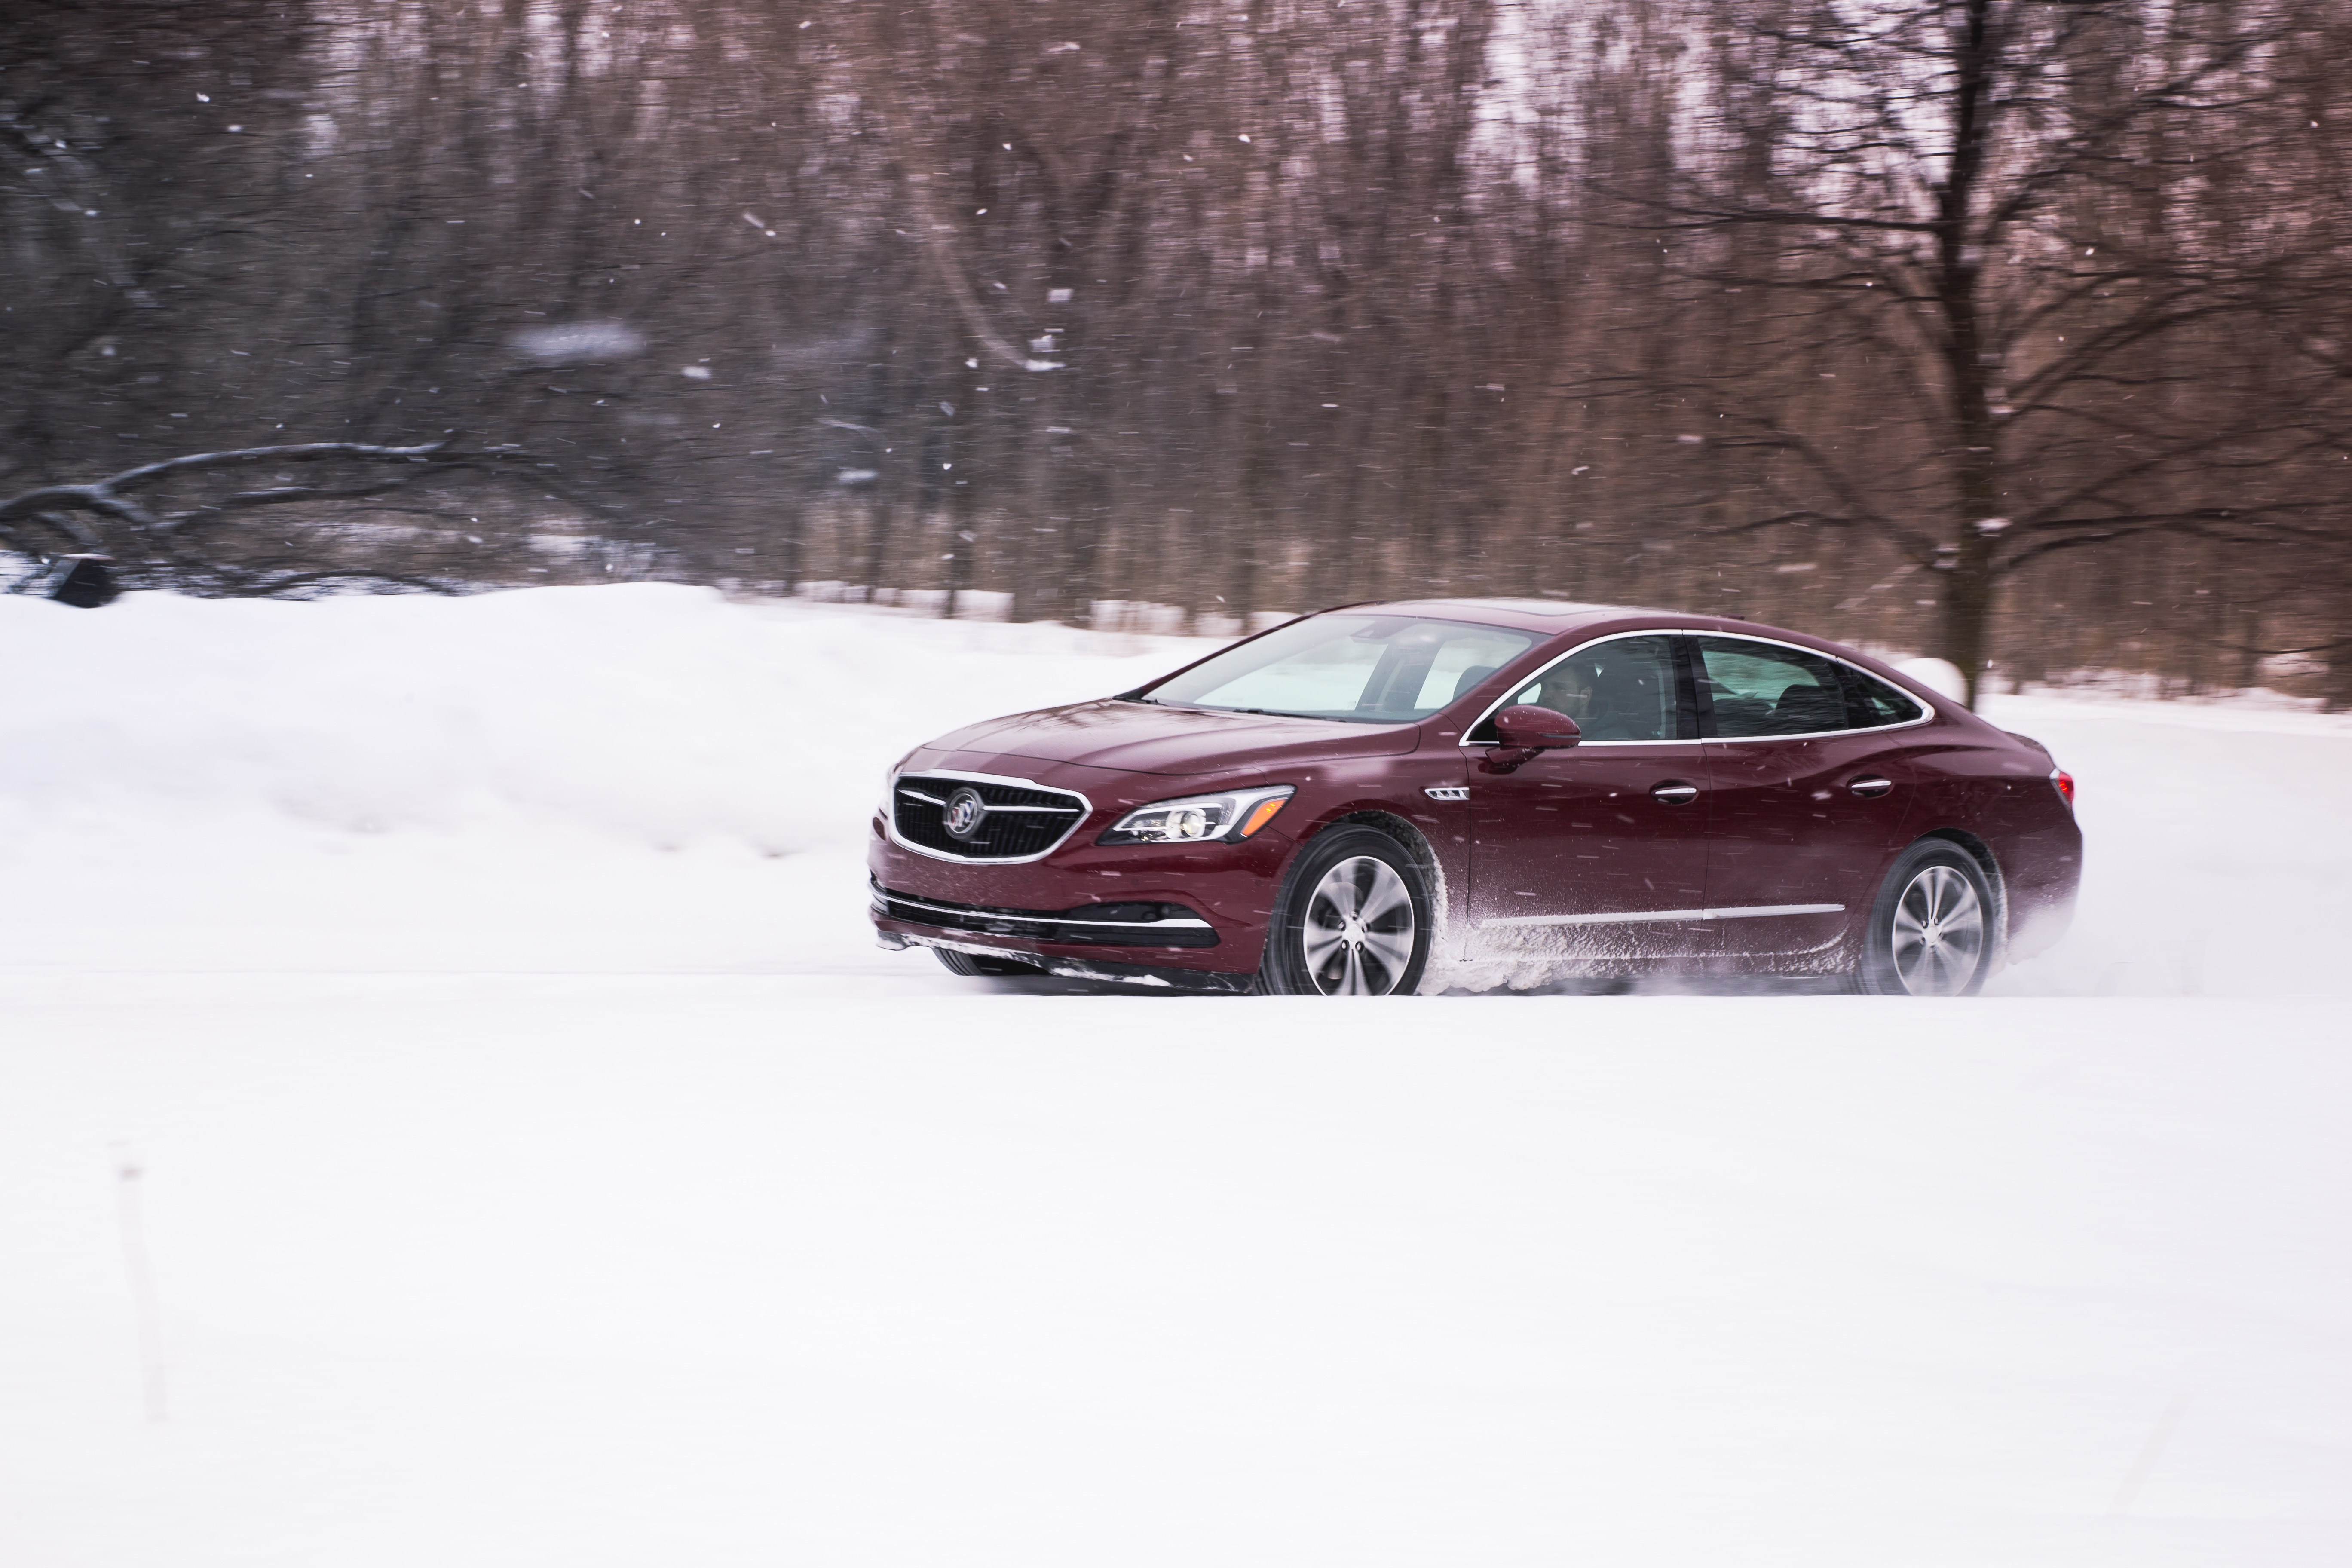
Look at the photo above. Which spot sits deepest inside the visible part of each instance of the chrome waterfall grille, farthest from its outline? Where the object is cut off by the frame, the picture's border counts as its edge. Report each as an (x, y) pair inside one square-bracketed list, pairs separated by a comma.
[(976, 819)]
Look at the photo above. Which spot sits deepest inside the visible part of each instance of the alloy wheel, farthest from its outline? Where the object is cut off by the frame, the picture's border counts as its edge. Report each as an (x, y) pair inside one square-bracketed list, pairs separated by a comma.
[(1358, 936), (1939, 935)]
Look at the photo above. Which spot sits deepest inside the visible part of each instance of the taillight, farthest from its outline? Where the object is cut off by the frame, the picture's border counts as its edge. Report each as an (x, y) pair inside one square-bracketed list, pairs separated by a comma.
[(2063, 783)]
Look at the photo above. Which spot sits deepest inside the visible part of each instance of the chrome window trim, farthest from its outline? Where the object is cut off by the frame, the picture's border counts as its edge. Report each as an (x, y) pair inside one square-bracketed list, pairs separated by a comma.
[(1928, 708), (890, 817), (1636, 917), (1588, 745), (883, 897)]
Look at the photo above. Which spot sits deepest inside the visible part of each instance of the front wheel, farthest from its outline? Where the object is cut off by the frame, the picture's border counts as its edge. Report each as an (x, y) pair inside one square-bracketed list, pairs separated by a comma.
[(1353, 920), (1932, 927)]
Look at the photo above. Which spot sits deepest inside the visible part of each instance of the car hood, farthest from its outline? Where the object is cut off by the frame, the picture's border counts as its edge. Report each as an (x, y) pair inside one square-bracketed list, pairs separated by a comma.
[(1135, 737)]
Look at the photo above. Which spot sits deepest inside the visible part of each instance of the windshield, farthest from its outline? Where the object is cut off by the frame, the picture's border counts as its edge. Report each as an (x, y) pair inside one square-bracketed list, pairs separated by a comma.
[(1363, 669)]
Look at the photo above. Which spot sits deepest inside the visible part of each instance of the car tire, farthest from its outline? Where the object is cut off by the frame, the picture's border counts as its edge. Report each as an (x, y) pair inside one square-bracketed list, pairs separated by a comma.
[(981, 964), (1353, 920), (1934, 928)]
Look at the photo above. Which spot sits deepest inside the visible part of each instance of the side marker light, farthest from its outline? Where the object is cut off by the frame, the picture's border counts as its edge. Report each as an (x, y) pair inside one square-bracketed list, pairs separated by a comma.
[(1260, 813)]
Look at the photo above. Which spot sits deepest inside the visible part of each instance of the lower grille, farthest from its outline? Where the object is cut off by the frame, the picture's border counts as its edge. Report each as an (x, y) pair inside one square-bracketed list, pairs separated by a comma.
[(1099, 925), (980, 819)]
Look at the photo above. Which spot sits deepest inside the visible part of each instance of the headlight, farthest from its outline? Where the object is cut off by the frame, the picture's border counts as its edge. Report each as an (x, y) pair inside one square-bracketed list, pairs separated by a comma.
[(1198, 819)]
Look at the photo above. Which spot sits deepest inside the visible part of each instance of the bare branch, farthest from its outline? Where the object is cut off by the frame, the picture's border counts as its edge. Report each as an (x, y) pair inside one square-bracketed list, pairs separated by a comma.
[(53, 502), (307, 452)]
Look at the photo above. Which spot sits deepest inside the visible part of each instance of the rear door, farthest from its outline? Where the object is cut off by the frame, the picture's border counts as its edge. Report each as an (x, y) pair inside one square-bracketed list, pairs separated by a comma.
[(1596, 853), (1809, 792)]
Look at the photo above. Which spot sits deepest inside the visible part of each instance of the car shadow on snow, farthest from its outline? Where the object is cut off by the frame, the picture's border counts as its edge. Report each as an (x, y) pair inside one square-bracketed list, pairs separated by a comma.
[(1645, 985)]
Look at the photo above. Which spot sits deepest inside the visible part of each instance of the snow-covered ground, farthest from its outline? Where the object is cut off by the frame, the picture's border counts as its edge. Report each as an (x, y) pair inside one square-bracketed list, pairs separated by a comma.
[(539, 1164)]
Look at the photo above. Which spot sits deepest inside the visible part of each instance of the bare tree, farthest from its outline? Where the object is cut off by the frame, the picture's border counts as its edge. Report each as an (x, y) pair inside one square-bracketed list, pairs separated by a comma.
[(1802, 308), (1990, 210)]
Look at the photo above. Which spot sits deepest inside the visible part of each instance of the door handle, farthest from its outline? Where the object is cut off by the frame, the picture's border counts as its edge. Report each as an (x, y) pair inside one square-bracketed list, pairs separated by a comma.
[(1674, 791), (1870, 786)]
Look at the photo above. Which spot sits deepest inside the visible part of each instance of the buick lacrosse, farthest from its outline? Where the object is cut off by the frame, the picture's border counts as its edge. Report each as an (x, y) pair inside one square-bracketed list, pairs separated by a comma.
[(1399, 798)]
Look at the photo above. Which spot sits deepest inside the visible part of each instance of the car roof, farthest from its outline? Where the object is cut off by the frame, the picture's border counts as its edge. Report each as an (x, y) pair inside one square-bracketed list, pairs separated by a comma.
[(1555, 616), (1551, 617), (1559, 618)]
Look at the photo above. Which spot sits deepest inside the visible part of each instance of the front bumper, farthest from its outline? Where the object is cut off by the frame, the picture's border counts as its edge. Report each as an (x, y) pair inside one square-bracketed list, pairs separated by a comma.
[(1195, 914), (1152, 976), (1131, 925)]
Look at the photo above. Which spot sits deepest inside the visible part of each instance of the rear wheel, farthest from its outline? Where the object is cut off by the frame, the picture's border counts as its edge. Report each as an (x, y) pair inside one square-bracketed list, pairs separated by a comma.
[(1353, 920), (981, 964), (1932, 927)]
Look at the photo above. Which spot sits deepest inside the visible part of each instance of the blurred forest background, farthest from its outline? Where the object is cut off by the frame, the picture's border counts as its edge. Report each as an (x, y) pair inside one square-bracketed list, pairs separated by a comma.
[(2018, 332)]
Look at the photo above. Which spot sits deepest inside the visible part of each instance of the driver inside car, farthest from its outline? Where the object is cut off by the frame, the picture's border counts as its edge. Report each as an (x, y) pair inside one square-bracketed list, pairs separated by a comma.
[(1567, 689)]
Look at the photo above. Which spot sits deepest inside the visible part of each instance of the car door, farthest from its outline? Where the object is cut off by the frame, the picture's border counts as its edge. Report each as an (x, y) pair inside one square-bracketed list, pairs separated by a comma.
[(1806, 805), (1596, 852)]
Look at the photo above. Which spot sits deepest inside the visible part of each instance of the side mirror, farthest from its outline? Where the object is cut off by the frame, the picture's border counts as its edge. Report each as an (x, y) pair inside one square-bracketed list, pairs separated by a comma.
[(1526, 730), (1535, 729)]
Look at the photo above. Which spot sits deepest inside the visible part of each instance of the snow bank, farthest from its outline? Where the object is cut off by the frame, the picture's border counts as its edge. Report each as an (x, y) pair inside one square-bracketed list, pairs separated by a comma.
[(540, 1169), (1937, 675), (651, 712)]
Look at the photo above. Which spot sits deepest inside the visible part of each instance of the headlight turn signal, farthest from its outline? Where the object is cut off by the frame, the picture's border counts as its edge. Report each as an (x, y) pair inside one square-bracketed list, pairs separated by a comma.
[(1200, 818)]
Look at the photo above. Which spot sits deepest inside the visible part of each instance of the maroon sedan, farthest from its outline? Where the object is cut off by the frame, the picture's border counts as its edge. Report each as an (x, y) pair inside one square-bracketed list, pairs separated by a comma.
[(1399, 798)]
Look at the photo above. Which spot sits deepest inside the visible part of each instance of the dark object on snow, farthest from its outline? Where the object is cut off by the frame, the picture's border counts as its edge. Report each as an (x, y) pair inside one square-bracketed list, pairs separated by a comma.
[(86, 582)]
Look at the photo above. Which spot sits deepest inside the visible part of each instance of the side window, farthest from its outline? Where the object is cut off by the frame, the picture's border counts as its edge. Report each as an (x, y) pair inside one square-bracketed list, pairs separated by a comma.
[(1761, 689), (1620, 689), (1873, 703)]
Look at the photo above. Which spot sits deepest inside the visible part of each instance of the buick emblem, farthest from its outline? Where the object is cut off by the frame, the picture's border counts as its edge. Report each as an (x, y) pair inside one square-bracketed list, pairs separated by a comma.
[(965, 813)]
